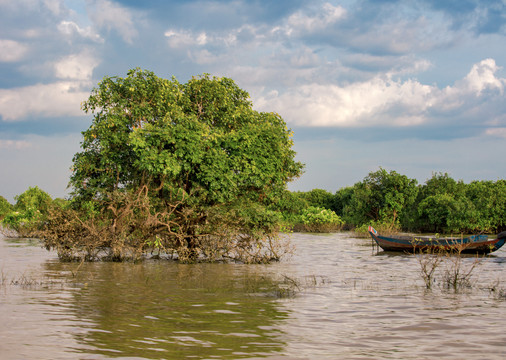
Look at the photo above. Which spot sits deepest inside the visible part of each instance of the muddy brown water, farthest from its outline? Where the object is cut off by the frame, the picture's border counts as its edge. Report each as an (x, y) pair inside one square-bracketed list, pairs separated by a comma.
[(336, 298)]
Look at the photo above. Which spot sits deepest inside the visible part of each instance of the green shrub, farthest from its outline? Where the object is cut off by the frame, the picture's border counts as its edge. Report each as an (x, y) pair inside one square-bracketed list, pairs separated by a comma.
[(22, 222), (316, 219), (383, 227), (28, 213), (5, 207)]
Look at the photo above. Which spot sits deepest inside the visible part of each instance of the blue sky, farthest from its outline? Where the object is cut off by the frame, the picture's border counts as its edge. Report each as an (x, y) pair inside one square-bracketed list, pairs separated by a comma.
[(412, 86)]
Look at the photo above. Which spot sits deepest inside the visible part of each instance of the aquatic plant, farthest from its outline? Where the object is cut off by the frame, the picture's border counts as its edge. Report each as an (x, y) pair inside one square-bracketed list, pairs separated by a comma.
[(447, 266), (457, 275), (429, 262)]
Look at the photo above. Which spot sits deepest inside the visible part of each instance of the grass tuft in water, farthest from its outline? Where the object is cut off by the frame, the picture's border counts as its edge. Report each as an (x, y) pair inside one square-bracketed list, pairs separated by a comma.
[(447, 268)]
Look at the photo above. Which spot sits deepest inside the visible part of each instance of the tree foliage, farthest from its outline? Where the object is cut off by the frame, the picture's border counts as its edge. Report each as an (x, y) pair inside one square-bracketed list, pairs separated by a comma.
[(318, 198), (33, 198), (194, 161), (5, 207), (316, 219), (290, 205), (381, 197), (392, 202), (441, 205), (28, 213), (489, 201), (202, 137)]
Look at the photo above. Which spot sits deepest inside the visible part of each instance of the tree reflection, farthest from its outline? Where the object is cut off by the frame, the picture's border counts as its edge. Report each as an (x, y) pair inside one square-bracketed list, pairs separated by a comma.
[(168, 310)]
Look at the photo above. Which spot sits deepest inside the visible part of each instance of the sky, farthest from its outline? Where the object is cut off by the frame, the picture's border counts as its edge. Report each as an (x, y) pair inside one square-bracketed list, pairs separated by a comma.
[(412, 86)]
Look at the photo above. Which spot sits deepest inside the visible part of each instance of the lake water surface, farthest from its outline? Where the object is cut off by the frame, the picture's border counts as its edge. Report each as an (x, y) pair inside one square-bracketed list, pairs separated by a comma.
[(336, 298)]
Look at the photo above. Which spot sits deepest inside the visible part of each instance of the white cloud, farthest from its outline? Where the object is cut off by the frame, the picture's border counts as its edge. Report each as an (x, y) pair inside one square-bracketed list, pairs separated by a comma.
[(305, 57), (496, 132), (396, 37), (55, 6), (357, 104), (14, 144), (60, 98), (384, 101), (469, 93), (301, 23), (202, 57), (11, 51), (42, 100), (109, 15), (183, 38), (298, 24), (70, 28), (482, 76), (76, 66)]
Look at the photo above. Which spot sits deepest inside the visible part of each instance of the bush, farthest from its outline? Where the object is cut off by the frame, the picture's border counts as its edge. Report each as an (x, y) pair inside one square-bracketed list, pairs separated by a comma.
[(28, 213), (128, 230), (33, 198), (316, 219), (5, 207), (381, 197), (290, 205), (23, 223), (385, 228)]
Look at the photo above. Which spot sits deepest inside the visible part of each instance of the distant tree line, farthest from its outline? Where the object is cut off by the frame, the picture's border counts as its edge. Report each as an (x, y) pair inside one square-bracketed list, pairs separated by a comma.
[(393, 202), (388, 200)]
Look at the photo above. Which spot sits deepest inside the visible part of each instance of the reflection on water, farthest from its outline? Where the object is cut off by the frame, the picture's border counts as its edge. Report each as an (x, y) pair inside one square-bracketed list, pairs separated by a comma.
[(354, 304), (160, 310)]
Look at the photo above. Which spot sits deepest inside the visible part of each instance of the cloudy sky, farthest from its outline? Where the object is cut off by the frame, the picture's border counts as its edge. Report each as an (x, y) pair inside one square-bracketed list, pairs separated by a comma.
[(408, 85)]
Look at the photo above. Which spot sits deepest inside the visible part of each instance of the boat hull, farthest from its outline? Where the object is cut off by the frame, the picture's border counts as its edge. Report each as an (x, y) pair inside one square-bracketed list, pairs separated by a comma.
[(476, 244)]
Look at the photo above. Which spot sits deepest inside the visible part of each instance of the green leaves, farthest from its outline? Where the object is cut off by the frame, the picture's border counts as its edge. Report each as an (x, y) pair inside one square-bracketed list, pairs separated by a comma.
[(29, 212), (33, 199), (5, 206), (200, 135), (315, 215), (382, 196), (316, 219), (193, 149), (441, 205)]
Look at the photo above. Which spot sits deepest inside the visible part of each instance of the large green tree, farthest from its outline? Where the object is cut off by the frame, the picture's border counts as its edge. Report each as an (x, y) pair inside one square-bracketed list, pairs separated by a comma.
[(178, 164), (489, 200), (382, 197), (443, 206)]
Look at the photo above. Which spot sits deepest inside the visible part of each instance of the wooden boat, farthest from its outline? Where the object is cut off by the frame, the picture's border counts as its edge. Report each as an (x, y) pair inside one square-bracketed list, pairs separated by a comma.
[(477, 244)]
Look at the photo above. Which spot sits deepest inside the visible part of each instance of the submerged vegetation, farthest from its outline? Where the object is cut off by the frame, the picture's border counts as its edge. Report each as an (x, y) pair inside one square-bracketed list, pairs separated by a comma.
[(447, 268)]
